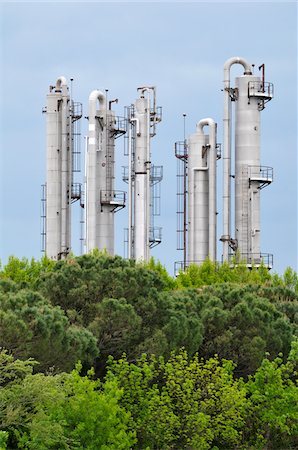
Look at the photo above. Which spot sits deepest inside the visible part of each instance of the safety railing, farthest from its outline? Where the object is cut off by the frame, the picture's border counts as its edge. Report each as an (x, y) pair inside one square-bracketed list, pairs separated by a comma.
[(155, 235), (76, 191), (260, 89), (181, 266), (253, 259), (114, 198), (262, 174), (181, 150)]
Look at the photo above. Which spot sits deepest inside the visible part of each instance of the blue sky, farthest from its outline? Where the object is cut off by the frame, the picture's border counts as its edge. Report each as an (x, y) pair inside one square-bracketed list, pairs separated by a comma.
[(178, 47)]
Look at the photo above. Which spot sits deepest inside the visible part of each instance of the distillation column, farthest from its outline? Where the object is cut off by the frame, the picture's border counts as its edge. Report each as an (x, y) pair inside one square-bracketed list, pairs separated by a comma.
[(202, 157), (250, 95), (142, 180), (59, 171), (250, 176), (100, 194), (143, 121)]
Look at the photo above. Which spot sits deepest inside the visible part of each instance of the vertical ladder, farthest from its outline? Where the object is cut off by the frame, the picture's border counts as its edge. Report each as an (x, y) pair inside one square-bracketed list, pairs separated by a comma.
[(245, 231)]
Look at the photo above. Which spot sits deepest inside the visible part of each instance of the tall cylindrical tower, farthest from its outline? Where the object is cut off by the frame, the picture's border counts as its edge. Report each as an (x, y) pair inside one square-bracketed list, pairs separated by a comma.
[(202, 193), (59, 167), (100, 194), (249, 95), (247, 156), (250, 176), (142, 179)]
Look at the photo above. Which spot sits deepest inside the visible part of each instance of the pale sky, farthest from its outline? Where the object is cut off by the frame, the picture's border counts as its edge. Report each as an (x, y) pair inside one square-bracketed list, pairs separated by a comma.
[(180, 48)]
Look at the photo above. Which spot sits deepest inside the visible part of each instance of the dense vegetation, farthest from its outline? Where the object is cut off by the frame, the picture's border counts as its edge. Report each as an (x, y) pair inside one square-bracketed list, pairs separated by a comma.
[(207, 360)]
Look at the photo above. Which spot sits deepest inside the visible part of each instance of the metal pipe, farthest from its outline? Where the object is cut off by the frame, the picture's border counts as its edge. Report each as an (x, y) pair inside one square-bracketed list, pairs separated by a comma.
[(64, 175), (85, 195), (61, 81), (227, 151), (148, 169), (137, 122)]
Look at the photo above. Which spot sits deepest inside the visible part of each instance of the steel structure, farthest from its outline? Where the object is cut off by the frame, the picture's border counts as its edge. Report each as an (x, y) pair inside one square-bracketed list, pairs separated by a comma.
[(141, 176), (196, 195), (249, 95), (61, 115), (101, 199)]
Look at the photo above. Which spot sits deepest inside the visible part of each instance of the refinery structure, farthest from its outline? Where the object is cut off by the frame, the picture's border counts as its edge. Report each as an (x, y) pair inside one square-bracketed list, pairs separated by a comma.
[(197, 155)]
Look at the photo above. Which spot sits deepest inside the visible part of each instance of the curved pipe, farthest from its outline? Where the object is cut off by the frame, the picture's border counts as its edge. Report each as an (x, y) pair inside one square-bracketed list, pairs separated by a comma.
[(93, 97), (236, 60), (212, 182), (61, 81), (227, 151)]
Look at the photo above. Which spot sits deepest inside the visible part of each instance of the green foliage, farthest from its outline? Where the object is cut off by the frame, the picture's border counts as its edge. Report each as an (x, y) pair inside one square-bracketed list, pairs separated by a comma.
[(116, 325), (31, 327), (3, 440), (241, 323), (97, 305), (25, 272), (210, 273), (181, 403), (64, 411), (274, 403), (226, 309), (13, 370), (81, 283), (127, 306), (156, 266)]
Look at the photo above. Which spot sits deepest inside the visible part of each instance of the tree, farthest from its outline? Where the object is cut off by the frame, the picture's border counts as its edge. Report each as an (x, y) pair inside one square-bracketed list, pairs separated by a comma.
[(241, 324), (24, 272), (31, 327), (234, 271), (61, 411), (181, 403), (274, 404)]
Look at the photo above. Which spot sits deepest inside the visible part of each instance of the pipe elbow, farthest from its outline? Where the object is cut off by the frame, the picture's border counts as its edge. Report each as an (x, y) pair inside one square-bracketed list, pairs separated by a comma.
[(61, 81), (236, 60), (204, 122), (97, 95)]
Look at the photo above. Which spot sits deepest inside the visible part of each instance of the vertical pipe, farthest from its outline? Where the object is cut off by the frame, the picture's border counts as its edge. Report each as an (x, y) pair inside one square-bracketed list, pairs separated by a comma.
[(227, 152), (129, 193), (148, 196), (212, 190), (85, 196), (130, 184), (184, 204), (64, 172)]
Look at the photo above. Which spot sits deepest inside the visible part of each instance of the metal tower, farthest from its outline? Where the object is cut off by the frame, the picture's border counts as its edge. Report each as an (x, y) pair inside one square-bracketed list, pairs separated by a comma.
[(101, 201), (142, 177), (61, 114), (196, 195), (250, 95)]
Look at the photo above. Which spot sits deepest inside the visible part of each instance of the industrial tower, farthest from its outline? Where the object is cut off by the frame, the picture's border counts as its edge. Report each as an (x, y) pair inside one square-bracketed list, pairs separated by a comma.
[(61, 115), (141, 176), (250, 95), (101, 199), (196, 196)]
